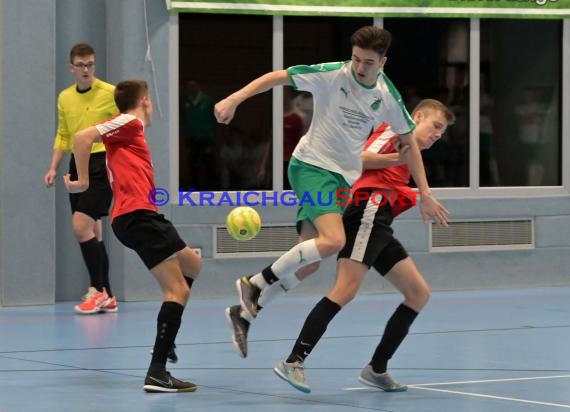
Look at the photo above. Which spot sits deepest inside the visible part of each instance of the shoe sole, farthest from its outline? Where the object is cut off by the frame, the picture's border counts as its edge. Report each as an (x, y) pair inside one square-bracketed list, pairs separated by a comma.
[(241, 301), (402, 388), (236, 345), (160, 389), (114, 310), (87, 312), (303, 389)]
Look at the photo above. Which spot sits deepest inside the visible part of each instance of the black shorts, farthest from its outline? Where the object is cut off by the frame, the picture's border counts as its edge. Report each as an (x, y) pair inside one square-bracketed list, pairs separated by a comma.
[(148, 233), (369, 236), (96, 200)]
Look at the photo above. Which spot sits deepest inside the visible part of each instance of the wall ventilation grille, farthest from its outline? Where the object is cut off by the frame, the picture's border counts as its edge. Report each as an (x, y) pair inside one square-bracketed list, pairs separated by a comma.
[(480, 235), (272, 240), (483, 235)]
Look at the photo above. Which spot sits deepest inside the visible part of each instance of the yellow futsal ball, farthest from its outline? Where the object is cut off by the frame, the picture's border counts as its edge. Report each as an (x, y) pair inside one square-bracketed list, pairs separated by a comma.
[(243, 223)]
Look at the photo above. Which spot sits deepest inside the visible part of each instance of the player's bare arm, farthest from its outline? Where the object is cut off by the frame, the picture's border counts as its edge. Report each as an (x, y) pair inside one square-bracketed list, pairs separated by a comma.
[(82, 143), (371, 160), (429, 206), (225, 109)]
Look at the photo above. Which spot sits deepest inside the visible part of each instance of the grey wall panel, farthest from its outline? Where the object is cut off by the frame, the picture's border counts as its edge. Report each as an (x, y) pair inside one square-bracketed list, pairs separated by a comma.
[(76, 22), (40, 261), (27, 265)]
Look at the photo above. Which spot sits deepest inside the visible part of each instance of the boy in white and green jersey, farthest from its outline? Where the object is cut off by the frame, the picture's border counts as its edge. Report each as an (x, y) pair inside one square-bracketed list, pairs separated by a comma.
[(351, 100), (346, 112)]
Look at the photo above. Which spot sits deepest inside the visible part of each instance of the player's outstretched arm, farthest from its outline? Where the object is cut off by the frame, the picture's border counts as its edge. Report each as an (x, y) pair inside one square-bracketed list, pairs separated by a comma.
[(429, 206), (225, 109)]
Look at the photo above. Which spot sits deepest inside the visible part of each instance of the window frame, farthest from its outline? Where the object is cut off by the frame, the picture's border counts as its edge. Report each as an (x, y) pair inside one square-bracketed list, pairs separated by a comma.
[(473, 191)]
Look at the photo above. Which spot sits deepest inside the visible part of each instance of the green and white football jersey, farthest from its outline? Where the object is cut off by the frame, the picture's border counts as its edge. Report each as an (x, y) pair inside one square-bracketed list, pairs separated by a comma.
[(345, 114)]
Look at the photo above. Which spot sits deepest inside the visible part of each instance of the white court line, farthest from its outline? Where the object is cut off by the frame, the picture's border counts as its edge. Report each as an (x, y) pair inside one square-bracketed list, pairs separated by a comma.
[(530, 378), (424, 386), (420, 385), (504, 398)]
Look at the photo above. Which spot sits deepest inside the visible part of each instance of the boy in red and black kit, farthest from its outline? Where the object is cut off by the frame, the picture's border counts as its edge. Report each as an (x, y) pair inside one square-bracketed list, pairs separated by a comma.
[(135, 219), (370, 242)]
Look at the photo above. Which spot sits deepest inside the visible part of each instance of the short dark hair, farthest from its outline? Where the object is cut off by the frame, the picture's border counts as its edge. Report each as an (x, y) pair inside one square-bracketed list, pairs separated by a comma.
[(80, 50), (432, 104), (128, 93), (372, 38)]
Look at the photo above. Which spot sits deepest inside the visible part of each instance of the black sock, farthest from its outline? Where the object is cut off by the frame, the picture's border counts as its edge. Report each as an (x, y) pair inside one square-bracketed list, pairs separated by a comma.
[(269, 276), (168, 322), (396, 330), (105, 269), (91, 252), (314, 327)]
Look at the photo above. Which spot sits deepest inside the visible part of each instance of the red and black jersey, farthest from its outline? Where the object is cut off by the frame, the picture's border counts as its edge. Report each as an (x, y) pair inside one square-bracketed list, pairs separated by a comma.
[(129, 164), (390, 181)]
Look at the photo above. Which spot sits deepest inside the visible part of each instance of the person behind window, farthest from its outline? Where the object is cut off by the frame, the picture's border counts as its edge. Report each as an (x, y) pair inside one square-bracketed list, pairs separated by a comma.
[(411, 96), (297, 115), (199, 133), (293, 128), (457, 171), (303, 103), (232, 155), (531, 113), (489, 172)]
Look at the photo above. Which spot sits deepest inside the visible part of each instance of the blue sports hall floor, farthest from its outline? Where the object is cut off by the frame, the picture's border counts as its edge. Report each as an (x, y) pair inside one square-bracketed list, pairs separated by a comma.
[(492, 351)]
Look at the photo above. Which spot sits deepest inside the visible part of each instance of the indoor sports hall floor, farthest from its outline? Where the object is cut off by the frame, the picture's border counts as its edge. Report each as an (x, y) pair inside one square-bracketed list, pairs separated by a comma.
[(492, 351)]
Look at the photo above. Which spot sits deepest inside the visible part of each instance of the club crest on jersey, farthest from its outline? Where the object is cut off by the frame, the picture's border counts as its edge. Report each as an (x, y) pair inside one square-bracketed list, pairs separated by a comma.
[(376, 104)]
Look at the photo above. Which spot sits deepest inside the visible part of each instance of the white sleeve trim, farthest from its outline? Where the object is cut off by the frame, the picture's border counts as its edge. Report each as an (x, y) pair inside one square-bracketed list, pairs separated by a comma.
[(115, 123)]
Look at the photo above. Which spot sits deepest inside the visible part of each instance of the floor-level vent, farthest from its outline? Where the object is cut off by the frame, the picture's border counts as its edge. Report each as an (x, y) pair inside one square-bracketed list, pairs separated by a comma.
[(271, 241), (483, 235)]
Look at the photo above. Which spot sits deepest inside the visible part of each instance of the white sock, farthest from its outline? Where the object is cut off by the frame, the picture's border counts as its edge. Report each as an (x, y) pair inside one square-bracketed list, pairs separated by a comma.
[(245, 315), (270, 293), (259, 281), (298, 256), (285, 267), (289, 282)]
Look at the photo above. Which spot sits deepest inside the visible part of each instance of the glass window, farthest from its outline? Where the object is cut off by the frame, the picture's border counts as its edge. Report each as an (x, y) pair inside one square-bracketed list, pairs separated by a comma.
[(520, 94), (429, 58), (219, 54), (521, 87)]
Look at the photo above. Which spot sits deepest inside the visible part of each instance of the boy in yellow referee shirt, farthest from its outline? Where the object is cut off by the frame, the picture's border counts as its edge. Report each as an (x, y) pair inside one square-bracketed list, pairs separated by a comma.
[(87, 102)]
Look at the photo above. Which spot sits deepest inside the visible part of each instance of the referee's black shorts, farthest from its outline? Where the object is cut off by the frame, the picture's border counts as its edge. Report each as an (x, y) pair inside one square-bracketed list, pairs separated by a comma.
[(96, 200), (369, 236), (153, 237)]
